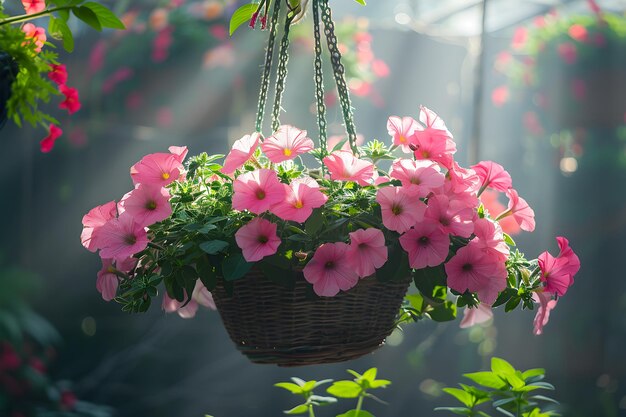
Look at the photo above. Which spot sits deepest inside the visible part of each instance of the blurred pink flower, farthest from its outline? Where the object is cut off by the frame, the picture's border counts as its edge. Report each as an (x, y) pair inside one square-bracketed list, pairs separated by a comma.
[(532, 123), (164, 117), (257, 191), (120, 75), (477, 315), (257, 239), (367, 251), (400, 211), (519, 38), (426, 244), (36, 34), (286, 143), (158, 169), (121, 237), (162, 43), (134, 100), (546, 304), (71, 103), (147, 204), (242, 150), (58, 74), (329, 271), (47, 143), (500, 96), (302, 196), (33, 6), (344, 166), (578, 32), (568, 52), (97, 55), (492, 175), (219, 32), (380, 68)]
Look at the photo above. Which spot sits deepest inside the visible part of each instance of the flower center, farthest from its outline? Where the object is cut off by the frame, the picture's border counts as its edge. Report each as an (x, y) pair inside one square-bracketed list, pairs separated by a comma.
[(423, 241), (329, 265), (263, 239), (130, 239), (260, 194), (444, 221), (396, 209), (151, 205), (402, 139), (425, 154), (298, 204), (416, 181), (287, 152), (111, 269), (467, 267), (165, 176)]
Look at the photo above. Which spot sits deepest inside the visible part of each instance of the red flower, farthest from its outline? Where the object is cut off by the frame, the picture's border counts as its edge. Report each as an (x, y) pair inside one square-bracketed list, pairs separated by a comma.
[(47, 143), (58, 74), (71, 102)]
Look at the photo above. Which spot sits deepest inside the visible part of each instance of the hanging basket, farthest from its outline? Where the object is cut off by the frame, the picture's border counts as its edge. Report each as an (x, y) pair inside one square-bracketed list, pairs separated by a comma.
[(273, 324)]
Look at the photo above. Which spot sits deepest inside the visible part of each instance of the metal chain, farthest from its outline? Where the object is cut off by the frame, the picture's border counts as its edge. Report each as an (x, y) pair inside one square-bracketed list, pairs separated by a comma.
[(339, 73), (267, 69), (319, 82), (283, 59)]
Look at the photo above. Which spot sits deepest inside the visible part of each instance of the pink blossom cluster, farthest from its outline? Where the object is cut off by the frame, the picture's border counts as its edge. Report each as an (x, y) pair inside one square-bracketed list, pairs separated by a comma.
[(119, 229)]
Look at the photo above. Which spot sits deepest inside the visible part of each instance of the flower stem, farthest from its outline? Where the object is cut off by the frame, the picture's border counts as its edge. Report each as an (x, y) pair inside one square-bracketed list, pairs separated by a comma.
[(311, 413), (359, 404), (27, 17), (503, 214)]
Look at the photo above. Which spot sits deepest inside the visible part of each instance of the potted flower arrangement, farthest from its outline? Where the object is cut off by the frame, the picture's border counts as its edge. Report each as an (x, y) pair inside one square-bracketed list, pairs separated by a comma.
[(570, 71), (308, 252)]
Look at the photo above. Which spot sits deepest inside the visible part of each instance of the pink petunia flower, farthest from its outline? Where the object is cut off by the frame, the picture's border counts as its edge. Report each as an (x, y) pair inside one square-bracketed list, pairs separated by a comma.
[(453, 217), (301, 197), (179, 151), (58, 74), (426, 244), (367, 251), (147, 204), (328, 270), (489, 199), (344, 166), (121, 238), (492, 175), (159, 169), (523, 214), (474, 270), (402, 130), (93, 221), (33, 6), (71, 102), (257, 191), (546, 304), (400, 211), (477, 315), (434, 141), (48, 142), (558, 273), (490, 238), (241, 151), (200, 297), (36, 34), (418, 178), (286, 143), (107, 281), (257, 239), (462, 180)]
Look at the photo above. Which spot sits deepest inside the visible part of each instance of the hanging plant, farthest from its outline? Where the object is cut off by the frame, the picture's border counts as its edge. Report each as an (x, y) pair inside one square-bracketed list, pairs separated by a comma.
[(310, 263), (31, 72)]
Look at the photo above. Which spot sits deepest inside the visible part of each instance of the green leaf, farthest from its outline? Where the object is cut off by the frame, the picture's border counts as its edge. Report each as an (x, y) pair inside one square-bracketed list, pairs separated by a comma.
[(355, 413), (501, 367), (430, 280), (105, 16), (206, 273), (300, 409), (416, 301), (60, 30), (542, 385), (443, 312), (284, 277), (298, 381), (380, 383), (345, 389), (486, 379), (308, 386), (370, 375), (235, 267), (506, 413), (533, 373), (456, 410), (362, 2), (242, 15), (503, 401), (291, 387), (322, 382), (315, 222), (213, 247), (544, 398), (509, 240), (463, 396), (319, 400), (88, 16)]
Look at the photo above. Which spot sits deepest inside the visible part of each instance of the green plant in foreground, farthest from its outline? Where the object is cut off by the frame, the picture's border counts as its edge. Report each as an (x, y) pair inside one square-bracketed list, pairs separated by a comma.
[(358, 388), (511, 392)]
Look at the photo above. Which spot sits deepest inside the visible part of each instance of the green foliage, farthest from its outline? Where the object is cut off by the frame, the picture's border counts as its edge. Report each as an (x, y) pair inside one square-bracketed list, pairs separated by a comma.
[(242, 15), (358, 388), (508, 390)]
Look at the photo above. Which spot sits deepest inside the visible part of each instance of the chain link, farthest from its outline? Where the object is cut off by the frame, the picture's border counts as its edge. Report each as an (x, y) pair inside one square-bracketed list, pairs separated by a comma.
[(339, 74), (283, 59), (267, 68), (319, 81)]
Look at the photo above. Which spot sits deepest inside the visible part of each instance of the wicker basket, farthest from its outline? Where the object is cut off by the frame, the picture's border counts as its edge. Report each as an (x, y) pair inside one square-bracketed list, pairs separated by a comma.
[(273, 324)]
